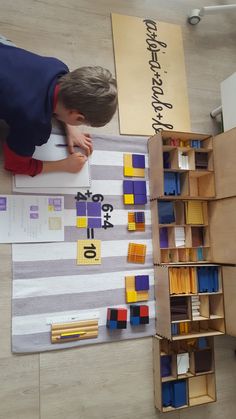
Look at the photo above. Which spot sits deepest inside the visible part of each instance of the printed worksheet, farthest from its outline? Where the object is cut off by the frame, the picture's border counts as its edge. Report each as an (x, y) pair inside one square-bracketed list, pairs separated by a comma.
[(28, 218)]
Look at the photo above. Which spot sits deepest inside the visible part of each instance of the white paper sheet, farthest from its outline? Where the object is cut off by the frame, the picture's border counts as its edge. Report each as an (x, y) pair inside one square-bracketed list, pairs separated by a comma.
[(50, 152), (31, 218)]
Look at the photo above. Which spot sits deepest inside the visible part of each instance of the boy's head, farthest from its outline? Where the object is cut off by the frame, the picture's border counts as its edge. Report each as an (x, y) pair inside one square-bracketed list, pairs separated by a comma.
[(88, 96)]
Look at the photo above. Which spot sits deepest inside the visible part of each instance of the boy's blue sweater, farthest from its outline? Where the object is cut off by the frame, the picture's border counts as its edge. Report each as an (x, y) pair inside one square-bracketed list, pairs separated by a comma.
[(27, 83)]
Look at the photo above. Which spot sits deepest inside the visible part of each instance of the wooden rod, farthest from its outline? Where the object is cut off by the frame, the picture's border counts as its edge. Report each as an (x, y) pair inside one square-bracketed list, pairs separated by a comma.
[(81, 323)]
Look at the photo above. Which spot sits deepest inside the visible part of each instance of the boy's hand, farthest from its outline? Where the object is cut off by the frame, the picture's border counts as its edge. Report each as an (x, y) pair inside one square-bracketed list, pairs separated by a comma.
[(74, 162), (76, 138)]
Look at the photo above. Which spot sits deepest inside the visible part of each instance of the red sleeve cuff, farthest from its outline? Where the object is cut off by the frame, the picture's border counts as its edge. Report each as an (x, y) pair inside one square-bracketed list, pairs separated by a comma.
[(21, 165)]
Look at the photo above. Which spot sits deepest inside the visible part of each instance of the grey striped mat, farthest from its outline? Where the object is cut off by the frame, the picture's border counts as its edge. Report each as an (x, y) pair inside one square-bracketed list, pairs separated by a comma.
[(48, 284)]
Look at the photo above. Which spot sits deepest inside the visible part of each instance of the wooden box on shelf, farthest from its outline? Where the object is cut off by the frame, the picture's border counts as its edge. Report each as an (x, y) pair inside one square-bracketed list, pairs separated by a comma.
[(191, 363)]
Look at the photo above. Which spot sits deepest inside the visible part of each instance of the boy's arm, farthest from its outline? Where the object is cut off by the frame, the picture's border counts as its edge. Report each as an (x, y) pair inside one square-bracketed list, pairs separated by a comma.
[(22, 165), (29, 166)]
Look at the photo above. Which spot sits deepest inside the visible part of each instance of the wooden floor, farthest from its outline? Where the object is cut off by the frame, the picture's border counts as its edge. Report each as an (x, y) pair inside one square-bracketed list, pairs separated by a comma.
[(110, 381)]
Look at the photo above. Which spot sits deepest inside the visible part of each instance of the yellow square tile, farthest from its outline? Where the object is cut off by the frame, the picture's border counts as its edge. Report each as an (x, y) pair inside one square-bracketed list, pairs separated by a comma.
[(130, 283), (128, 160), (50, 208), (128, 199), (138, 172), (131, 226), (81, 222), (142, 295), (54, 223), (129, 171), (131, 296), (89, 252)]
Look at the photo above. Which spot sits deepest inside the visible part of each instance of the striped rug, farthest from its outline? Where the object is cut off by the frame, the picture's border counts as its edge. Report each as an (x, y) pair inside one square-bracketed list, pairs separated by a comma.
[(47, 282)]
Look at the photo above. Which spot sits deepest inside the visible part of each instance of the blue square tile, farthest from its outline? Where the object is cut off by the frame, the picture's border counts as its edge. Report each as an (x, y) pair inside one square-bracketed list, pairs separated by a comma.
[(139, 217), (135, 321), (138, 161), (112, 324), (140, 199), (128, 187), (141, 282), (94, 209), (81, 208), (140, 187), (94, 222)]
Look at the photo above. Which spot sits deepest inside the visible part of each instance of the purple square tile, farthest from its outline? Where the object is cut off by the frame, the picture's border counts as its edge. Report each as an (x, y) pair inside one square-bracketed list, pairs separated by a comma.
[(141, 282), (34, 215), (140, 187), (34, 208), (139, 217), (128, 187), (57, 207), (94, 209), (94, 223), (50, 201), (138, 161), (3, 200), (80, 208), (3, 203), (140, 199), (57, 202)]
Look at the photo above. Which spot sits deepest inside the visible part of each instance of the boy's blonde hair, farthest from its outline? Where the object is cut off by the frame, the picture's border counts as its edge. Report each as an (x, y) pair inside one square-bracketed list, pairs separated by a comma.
[(91, 91)]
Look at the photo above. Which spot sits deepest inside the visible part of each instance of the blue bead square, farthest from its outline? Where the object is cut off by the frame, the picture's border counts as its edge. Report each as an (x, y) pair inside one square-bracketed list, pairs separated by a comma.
[(128, 187), (140, 187), (138, 161), (135, 321), (80, 208), (141, 282), (140, 199), (94, 209)]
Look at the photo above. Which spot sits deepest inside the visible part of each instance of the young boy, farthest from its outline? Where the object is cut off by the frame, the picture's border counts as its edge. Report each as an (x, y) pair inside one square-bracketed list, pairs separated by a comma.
[(33, 89)]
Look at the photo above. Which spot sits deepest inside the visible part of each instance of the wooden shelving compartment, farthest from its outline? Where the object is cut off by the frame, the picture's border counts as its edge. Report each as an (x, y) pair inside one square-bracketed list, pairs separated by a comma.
[(184, 373), (202, 389), (189, 301), (184, 170), (177, 238)]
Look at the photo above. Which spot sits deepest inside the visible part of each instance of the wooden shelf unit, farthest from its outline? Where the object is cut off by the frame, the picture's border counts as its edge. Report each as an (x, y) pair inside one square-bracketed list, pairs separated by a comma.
[(210, 320), (184, 177), (199, 370)]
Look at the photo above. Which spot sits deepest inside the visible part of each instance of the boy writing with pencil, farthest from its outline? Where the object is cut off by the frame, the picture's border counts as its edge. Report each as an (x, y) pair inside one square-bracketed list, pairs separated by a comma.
[(33, 89)]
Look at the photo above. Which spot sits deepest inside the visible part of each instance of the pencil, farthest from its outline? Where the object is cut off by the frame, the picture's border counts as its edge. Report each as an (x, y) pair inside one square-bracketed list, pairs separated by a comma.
[(66, 145)]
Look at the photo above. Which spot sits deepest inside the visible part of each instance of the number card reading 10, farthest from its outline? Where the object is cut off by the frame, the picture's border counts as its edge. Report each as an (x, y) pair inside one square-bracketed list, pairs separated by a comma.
[(89, 252)]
